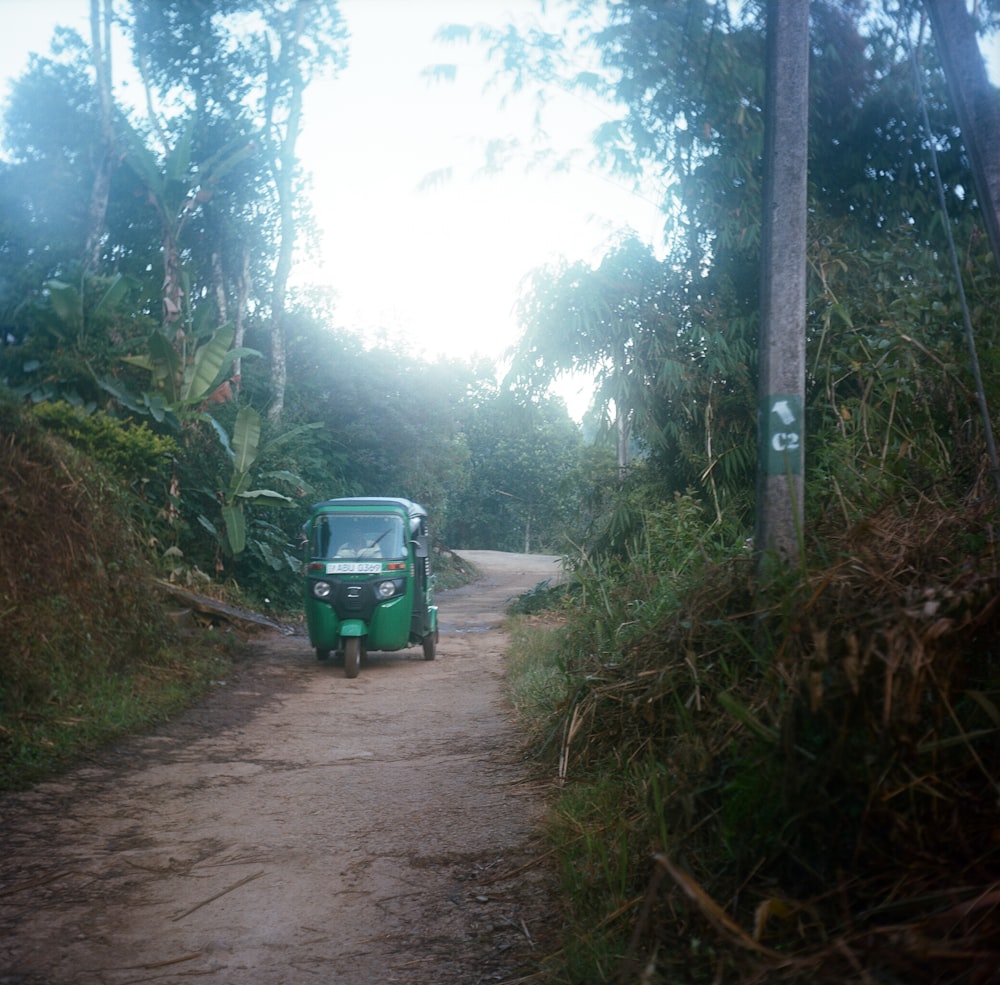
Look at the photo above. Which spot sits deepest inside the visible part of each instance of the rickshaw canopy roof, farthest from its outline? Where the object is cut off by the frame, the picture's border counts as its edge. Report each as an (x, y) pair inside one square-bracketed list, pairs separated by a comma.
[(372, 503)]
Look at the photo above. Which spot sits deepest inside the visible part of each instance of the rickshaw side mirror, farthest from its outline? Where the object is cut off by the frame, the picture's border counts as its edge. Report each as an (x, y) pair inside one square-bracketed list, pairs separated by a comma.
[(420, 545)]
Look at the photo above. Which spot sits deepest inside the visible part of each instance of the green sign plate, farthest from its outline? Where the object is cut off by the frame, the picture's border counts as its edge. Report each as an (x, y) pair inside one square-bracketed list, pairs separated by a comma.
[(781, 434)]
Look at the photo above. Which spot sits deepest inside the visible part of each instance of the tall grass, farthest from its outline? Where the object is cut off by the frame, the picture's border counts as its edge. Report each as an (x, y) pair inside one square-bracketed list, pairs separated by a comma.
[(760, 787)]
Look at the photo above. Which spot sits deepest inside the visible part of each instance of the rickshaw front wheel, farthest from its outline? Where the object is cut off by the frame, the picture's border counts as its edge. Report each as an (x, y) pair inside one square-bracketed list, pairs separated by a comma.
[(429, 648), (352, 656)]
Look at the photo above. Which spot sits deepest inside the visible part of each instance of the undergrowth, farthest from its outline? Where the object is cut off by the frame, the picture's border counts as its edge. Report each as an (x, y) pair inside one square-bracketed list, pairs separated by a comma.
[(790, 786), (87, 650)]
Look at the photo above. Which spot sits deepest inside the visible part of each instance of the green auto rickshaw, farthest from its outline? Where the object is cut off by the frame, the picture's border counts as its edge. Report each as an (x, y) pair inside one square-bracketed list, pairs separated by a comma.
[(368, 579)]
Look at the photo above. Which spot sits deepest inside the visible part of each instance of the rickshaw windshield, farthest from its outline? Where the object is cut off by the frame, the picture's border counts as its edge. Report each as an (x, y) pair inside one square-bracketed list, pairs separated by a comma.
[(372, 535)]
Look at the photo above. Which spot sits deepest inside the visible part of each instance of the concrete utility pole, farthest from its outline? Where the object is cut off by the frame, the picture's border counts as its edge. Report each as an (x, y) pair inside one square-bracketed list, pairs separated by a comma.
[(781, 387)]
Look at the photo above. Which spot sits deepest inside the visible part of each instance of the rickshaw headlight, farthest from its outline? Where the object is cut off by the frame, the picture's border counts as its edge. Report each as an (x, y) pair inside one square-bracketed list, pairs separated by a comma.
[(389, 589), (321, 589)]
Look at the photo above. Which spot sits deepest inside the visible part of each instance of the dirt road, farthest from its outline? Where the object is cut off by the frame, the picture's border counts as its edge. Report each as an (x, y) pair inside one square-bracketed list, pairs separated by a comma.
[(298, 827)]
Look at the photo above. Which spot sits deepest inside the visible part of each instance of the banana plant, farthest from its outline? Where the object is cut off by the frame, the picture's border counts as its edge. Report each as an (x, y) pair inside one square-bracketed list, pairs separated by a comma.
[(71, 318), (244, 451), (178, 387), (184, 368)]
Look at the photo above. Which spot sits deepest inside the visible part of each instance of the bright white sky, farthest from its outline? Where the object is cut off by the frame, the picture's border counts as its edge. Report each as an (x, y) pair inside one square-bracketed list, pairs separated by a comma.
[(443, 265)]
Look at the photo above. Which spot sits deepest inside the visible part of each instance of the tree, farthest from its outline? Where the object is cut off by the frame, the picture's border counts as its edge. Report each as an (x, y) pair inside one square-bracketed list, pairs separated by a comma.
[(242, 67), (614, 322), (688, 78), (391, 423), (101, 17), (978, 108), (670, 370), (521, 491), (977, 105), (53, 136), (302, 39), (191, 218)]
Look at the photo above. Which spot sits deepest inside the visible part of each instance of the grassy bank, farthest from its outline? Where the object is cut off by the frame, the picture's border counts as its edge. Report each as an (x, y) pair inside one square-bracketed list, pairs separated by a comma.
[(88, 651), (791, 787), (85, 708)]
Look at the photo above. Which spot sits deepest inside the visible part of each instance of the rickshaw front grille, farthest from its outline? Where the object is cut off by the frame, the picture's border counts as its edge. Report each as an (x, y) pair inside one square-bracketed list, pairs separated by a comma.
[(352, 601)]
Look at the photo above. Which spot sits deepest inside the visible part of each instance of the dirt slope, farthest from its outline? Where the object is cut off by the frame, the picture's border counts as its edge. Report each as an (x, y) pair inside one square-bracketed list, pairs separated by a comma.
[(298, 827)]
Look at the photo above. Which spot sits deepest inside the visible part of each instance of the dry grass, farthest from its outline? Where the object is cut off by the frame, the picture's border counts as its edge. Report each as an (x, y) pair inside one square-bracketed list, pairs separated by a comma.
[(808, 783)]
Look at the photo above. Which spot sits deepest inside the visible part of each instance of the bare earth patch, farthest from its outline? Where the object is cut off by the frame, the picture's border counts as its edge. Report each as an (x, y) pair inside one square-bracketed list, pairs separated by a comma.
[(299, 827)]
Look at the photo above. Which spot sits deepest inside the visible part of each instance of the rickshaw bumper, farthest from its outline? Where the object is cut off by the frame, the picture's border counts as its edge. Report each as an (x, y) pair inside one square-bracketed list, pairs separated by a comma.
[(353, 627)]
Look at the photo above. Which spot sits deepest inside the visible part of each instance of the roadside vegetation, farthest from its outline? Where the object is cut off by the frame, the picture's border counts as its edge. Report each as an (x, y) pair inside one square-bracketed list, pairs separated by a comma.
[(90, 652), (792, 786), (789, 777)]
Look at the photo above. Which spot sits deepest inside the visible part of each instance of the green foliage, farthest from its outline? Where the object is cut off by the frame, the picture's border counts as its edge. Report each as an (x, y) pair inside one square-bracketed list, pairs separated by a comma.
[(244, 450), (892, 408), (536, 680), (388, 419), (671, 367), (241, 509), (88, 650), (452, 571), (623, 755), (627, 593), (544, 597), (50, 120), (128, 449), (91, 708), (672, 342), (522, 485), (592, 837), (181, 377), (71, 335), (785, 755)]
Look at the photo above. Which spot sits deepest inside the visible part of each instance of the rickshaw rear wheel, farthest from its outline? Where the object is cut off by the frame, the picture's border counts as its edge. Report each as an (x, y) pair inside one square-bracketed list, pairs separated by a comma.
[(430, 650), (322, 655), (352, 656)]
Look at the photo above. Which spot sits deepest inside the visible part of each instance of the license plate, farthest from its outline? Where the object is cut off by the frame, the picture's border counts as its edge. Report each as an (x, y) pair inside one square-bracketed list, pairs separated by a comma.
[(353, 567)]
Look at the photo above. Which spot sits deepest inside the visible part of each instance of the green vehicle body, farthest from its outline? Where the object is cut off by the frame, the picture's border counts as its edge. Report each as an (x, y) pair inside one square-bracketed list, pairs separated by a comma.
[(368, 583)]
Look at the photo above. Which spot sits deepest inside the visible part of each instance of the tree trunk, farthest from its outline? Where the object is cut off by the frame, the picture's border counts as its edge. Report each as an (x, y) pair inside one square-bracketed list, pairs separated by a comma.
[(173, 291), (284, 170), (622, 442), (977, 104), (285, 181), (242, 294), (218, 276), (308, 33), (100, 44), (781, 386)]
